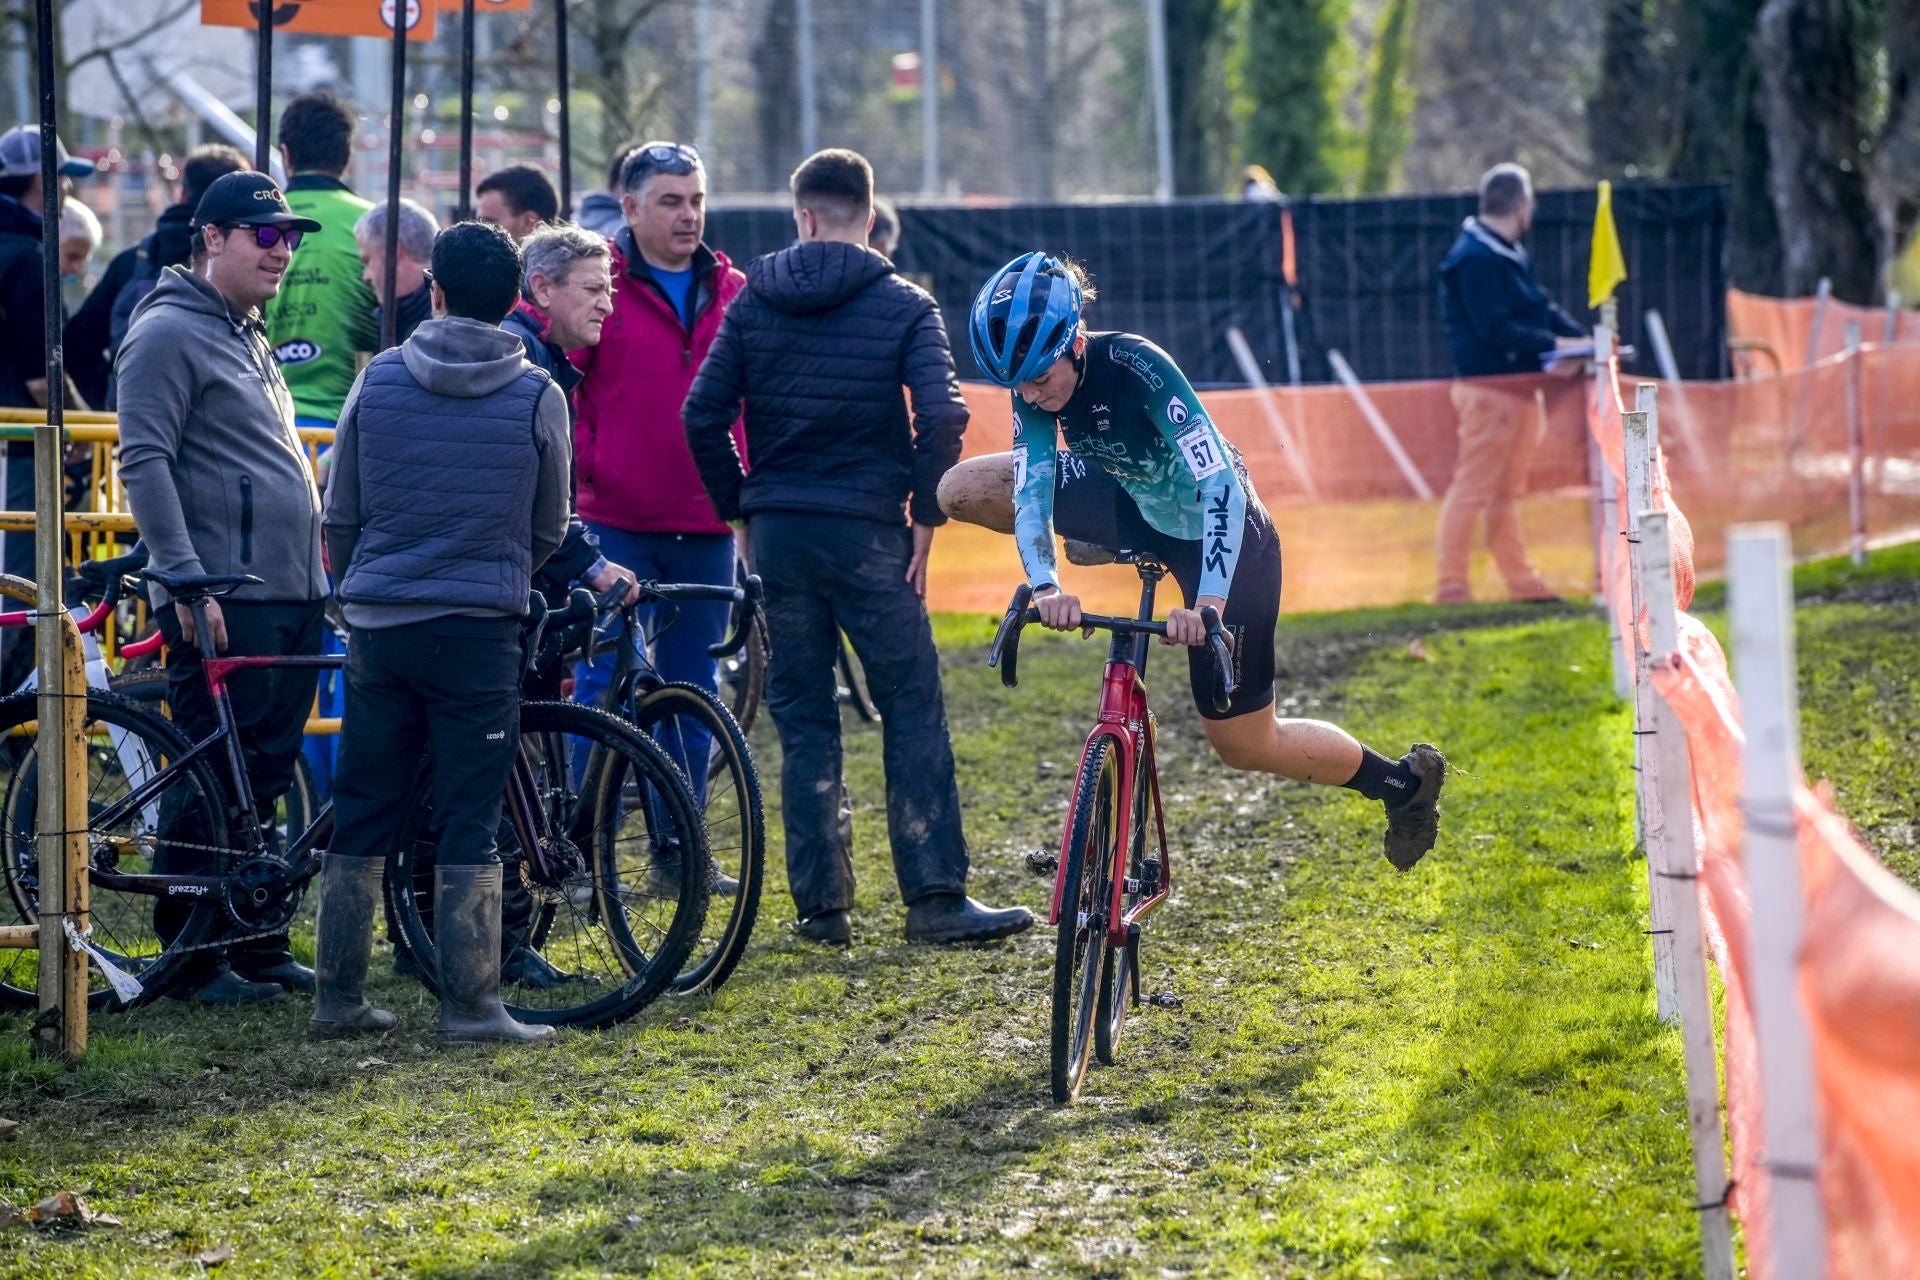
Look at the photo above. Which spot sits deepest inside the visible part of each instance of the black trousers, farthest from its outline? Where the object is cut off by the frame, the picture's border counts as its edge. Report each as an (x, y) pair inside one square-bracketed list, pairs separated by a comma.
[(825, 574), (17, 558), (447, 690), (270, 715)]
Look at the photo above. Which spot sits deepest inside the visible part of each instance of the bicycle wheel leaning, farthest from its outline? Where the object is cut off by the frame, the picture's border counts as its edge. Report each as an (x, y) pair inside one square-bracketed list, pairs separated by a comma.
[(181, 826), (1123, 962), (1080, 948), (696, 730), (612, 893)]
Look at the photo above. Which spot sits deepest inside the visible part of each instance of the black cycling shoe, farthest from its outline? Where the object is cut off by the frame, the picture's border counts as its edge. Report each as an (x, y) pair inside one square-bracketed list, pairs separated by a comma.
[(224, 988), (1414, 825), (954, 917), (829, 928), (528, 968)]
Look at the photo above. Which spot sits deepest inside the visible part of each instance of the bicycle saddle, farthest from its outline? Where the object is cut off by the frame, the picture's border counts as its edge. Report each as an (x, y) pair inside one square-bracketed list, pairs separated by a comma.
[(198, 586), (1139, 557)]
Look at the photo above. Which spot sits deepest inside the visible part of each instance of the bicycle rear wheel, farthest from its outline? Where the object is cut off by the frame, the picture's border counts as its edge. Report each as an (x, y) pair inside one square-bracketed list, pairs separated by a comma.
[(697, 732), (181, 829), (1080, 948), (614, 902)]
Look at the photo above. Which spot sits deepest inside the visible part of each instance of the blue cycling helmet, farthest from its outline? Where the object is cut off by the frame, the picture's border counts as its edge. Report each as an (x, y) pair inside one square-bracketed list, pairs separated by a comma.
[(1024, 318)]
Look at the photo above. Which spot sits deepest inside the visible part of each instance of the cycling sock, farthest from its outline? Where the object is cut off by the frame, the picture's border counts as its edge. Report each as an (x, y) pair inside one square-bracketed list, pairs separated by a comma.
[(1379, 778)]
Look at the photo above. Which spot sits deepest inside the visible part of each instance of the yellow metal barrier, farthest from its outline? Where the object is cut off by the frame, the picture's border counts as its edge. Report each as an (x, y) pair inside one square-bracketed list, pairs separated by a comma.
[(94, 529)]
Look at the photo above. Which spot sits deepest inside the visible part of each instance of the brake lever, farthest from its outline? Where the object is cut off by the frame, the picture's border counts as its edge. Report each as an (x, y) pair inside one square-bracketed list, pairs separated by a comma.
[(1006, 640), (1222, 649)]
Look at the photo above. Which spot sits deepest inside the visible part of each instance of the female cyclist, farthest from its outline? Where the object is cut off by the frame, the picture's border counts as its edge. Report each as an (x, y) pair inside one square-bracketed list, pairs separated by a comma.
[(1144, 469)]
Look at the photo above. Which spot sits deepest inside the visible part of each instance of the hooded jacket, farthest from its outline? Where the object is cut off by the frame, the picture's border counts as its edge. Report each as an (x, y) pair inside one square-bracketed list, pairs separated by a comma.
[(22, 307), (449, 482), (630, 456), (215, 475), (600, 213), (819, 346), (89, 337), (1497, 317)]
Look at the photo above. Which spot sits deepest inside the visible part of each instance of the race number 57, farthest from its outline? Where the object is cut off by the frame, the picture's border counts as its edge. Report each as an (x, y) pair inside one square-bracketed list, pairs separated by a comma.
[(1201, 451)]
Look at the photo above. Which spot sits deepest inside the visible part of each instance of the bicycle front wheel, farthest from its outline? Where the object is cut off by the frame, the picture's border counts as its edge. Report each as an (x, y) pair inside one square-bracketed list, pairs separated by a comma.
[(1117, 987), (180, 828), (1080, 949), (601, 912), (696, 730)]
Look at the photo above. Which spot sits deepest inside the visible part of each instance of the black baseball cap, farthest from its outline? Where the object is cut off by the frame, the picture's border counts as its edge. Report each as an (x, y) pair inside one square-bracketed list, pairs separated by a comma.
[(248, 199)]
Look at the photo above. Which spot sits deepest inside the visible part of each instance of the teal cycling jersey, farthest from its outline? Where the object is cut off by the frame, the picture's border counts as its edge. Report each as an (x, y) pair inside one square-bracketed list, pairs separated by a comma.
[(1137, 418)]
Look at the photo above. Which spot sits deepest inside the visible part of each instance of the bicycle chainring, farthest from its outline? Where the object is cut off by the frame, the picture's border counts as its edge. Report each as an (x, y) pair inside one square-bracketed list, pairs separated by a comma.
[(256, 896)]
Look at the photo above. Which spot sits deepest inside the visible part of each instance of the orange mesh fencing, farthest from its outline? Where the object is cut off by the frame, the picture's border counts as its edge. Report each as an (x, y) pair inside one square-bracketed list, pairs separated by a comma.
[(1779, 449), (1785, 327), (1859, 971), (1772, 448)]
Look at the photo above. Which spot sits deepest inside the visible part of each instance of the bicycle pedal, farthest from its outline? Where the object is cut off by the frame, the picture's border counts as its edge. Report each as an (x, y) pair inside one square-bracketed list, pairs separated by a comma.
[(1043, 863)]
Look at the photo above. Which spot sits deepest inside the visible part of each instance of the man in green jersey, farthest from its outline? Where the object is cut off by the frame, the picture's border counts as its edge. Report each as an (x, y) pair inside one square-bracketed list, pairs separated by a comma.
[(323, 316)]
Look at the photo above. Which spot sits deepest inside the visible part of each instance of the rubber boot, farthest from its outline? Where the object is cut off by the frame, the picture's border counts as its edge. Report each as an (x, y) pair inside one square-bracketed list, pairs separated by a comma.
[(467, 943), (343, 943)]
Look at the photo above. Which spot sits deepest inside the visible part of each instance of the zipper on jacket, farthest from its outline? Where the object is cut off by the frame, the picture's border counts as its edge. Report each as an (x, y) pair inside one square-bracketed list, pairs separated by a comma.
[(246, 519)]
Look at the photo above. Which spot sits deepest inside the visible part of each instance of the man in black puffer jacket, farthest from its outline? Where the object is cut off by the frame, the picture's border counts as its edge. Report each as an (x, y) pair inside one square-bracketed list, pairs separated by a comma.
[(819, 345)]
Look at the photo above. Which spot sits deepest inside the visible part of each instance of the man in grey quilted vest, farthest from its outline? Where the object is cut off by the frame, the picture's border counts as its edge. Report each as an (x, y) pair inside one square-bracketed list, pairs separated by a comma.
[(448, 491)]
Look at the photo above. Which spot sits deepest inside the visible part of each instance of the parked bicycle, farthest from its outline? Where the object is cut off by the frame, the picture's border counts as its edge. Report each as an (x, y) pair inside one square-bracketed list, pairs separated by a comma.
[(1107, 879), (700, 735), (611, 860)]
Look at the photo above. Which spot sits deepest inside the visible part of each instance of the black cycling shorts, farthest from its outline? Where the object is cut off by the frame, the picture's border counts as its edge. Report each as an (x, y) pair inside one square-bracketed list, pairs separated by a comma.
[(1089, 505)]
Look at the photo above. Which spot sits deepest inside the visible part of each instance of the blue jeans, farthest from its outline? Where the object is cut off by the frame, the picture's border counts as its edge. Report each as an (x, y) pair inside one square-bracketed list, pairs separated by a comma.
[(682, 633), (320, 748)]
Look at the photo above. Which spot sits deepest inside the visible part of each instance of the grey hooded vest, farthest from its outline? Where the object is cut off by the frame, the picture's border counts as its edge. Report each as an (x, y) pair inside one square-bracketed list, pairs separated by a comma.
[(447, 487)]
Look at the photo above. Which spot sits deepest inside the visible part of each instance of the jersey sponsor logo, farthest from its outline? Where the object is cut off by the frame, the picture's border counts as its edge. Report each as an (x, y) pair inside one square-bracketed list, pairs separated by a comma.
[(297, 351), (1176, 411), (1200, 450), (1141, 367), (1112, 450), (1219, 526), (1071, 467), (1102, 417)]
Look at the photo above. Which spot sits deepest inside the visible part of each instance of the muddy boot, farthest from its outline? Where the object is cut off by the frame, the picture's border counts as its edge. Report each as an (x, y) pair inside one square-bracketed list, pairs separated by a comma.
[(343, 943), (467, 944)]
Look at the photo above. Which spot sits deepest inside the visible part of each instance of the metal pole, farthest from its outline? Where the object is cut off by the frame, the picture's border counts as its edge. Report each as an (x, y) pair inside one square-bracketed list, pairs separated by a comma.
[(809, 103), (1162, 107), (566, 108), (929, 99), (396, 135), (62, 1029), (263, 89), (464, 209), (703, 77)]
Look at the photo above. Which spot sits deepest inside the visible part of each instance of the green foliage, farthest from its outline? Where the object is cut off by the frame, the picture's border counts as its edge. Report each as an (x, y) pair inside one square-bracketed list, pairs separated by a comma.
[(1389, 98), (1286, 73)]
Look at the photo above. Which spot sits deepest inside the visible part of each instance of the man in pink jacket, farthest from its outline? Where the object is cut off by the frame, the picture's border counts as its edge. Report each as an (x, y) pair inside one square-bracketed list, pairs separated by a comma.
[(638, 490)]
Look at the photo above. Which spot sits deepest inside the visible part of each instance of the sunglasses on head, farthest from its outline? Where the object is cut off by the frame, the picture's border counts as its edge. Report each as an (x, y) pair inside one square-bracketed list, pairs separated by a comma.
[(658, 157), (266, 235)]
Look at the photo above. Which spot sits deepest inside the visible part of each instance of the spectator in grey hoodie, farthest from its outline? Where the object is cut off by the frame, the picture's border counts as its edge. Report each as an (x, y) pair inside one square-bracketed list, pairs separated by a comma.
[(600, 212), (219, 484), (448, 492)]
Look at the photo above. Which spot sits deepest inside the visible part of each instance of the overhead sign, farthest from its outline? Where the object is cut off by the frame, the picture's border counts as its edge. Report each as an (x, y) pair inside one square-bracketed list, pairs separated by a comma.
[(323, 17)]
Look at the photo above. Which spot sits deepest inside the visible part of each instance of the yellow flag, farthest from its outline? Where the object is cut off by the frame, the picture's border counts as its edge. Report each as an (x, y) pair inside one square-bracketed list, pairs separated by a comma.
[(1607, 267)]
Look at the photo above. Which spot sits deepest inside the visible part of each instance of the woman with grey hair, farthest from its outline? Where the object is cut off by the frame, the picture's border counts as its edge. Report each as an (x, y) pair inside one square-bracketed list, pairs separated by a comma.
[(411, 277)]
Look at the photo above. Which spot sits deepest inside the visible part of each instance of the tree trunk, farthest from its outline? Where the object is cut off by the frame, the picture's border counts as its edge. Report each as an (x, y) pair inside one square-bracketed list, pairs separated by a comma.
[(775, 62), (1895, 180), (1717, 131), (1811, 100), (1193, 96), (1389, 99)]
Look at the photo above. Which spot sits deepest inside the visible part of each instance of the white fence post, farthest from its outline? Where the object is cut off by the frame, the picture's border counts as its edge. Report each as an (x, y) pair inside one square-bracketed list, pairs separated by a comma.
[(1679, 864), (1856, 449), (1606, 499), (1641, 433), (1760, 608)]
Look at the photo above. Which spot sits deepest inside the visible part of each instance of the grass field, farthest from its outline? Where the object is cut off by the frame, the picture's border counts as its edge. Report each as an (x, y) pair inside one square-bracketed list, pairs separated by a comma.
[(1451, 1072)]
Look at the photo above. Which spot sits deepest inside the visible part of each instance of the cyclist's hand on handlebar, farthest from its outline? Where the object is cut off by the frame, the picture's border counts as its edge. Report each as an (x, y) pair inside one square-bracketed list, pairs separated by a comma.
[(1184, 625), (216, 623), (605, 580), (1059, 611)]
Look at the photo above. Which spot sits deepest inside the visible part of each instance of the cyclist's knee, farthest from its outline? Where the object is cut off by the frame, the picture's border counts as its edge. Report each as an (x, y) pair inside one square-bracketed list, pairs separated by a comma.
[(980, 491)]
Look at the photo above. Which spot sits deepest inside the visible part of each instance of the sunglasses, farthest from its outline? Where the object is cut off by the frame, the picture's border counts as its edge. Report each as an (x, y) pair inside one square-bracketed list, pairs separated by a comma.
[(267, 236), (669, 157)]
